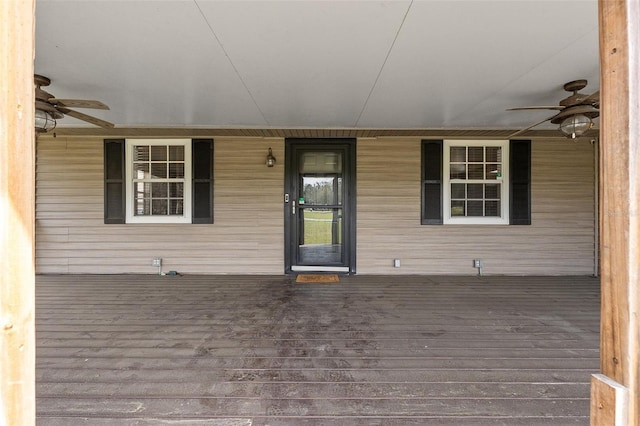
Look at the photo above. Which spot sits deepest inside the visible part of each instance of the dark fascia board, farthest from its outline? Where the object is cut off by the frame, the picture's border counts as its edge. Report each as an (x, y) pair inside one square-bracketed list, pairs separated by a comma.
[(306, 132)]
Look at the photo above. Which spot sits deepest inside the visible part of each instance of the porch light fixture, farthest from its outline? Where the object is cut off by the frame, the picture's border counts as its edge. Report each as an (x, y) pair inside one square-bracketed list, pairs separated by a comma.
[(575, 125), (44, 121), (271, 160)]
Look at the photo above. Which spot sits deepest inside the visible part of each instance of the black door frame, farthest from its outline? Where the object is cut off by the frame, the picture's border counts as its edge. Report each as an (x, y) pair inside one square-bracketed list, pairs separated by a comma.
[(292, 146)]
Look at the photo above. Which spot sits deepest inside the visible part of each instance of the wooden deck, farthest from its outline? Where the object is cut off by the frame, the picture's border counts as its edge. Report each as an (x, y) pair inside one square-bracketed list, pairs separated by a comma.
[(256, 350)]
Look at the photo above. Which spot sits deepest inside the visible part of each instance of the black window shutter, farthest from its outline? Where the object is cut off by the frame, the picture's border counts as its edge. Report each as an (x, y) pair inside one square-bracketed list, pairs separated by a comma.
[(520, 182), (114, 185), (202, 184), (432, 182)]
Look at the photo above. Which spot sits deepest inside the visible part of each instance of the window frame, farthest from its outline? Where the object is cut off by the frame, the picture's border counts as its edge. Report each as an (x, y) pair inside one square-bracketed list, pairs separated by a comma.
[(447, 219), (130, 217)]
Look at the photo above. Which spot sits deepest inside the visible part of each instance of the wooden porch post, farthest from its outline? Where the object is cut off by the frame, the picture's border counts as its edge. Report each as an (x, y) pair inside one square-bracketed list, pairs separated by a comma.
[(615, 393), (17, 276)]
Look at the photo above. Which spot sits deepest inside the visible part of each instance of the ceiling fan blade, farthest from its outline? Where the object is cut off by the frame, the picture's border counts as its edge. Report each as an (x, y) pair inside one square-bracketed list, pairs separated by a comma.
[(557, 107), (519, 132), (78, 103), (593, 98), (89, 119)]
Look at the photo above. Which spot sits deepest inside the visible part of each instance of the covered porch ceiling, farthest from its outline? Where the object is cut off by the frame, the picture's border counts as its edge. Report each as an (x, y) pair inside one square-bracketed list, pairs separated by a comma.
[(256, 65)]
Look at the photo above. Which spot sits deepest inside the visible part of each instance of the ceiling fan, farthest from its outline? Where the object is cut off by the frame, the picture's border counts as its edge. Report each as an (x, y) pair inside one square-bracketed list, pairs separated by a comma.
[(575, 112), (49, 108)]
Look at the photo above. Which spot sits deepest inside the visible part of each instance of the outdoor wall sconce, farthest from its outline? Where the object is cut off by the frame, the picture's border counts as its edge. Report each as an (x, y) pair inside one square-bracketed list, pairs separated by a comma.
[(271, 160)]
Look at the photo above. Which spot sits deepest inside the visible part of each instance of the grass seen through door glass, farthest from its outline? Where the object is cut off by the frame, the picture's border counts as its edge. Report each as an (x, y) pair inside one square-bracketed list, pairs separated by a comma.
[(321, 227)]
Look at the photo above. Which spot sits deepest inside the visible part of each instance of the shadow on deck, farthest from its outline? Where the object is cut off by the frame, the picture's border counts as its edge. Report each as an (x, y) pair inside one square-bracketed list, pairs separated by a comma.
[(264, 350)]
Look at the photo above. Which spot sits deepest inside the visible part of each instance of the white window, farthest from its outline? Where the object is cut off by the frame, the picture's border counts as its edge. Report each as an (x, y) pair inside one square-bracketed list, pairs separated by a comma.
[(158, 180), (475, 182)]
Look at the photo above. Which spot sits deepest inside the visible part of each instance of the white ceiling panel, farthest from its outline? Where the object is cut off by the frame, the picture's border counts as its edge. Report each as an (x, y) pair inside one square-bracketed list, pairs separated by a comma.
[(155, 63), (310, 63), (453, 56)]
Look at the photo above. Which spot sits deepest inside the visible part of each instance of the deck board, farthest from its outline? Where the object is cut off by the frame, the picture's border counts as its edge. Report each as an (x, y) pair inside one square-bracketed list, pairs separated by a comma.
[(258, 350)]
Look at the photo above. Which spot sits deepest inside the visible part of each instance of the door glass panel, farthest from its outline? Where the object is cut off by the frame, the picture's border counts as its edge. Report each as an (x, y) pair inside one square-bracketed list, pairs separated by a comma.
[(320, 162), (322, 191), (320, 235)]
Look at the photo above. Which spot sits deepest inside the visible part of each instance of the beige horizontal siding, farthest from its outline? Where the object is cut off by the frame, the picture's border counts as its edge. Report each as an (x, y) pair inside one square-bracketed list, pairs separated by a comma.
[(247, 236), (559, 241), (248, 233)]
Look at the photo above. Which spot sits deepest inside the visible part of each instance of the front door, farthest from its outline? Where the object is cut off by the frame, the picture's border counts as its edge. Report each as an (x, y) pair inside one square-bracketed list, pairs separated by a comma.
[(320, 205)]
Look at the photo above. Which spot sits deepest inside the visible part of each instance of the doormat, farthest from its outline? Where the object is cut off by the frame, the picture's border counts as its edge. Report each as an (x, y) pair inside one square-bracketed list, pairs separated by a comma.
[(317, 278)]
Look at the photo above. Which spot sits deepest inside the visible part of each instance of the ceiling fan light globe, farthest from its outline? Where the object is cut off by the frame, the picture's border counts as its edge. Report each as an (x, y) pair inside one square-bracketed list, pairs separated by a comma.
[(44, 121), (575, 125)]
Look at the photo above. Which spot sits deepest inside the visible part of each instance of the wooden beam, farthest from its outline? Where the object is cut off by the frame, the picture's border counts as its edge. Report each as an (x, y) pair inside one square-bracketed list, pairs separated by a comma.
[(17, 273), (620, 189), (609, 402)]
